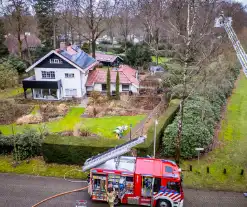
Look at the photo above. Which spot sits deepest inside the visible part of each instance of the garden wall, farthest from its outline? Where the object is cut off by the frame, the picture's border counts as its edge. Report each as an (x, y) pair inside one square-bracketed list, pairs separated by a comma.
[(75, 150)]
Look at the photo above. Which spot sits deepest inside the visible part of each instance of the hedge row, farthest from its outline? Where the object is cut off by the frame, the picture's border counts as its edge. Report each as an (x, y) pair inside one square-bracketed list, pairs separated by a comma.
[(201, 113), (75, 150)]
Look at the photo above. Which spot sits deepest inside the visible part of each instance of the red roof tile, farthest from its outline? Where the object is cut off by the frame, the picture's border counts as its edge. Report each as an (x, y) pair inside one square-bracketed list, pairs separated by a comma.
[(126, 76), (105, 57)]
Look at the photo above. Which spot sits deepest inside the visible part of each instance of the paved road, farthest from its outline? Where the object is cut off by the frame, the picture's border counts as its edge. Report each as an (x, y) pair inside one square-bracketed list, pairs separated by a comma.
[(25, 191)]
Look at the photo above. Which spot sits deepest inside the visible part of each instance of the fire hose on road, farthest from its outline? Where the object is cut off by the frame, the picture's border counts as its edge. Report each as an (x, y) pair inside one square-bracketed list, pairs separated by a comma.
[(60, 194)]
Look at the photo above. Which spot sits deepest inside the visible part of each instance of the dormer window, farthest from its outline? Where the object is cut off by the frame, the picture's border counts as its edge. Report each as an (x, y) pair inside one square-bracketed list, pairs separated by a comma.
[(56, 61)]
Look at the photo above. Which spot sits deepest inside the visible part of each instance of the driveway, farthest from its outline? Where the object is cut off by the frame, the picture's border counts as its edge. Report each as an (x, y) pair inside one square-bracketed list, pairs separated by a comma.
[(25, 191)]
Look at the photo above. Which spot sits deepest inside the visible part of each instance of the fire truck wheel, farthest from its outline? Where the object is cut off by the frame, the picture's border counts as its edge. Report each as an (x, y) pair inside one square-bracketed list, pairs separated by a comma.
[(116, 201), (164, 203)]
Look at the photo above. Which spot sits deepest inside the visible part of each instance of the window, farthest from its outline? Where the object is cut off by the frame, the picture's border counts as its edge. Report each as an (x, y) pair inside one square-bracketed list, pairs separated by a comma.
[(104, 88), (168, 169), (48, 74), (125, 87), (70, 92), (157, 184), (69, 75), (147, 186), (173, 186), (56, 61), (129, 179)]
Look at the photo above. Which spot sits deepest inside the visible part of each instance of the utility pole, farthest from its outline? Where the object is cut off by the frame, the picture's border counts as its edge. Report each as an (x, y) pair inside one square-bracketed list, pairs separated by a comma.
[(130, 130), (155, 124)]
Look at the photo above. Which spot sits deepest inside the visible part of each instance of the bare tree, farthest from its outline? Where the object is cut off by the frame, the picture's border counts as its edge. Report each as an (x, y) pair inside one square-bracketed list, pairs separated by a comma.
[(151, 13), (16, 13), (126, 14), (190, 25), (93, 14)]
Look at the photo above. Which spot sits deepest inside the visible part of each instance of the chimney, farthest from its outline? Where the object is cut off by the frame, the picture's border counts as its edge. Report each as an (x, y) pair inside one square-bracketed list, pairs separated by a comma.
[(62, 45)]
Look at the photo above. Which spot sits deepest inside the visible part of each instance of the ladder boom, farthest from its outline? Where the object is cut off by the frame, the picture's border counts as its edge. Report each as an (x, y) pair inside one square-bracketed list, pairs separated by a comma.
[(112, 153), (225, 22)]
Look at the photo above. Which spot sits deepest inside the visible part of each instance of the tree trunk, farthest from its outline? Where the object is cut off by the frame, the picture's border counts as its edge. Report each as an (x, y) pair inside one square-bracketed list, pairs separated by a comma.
[(180, 131), (157, 46), (19, 46), (93, 48), (28, 51), (54, 28)]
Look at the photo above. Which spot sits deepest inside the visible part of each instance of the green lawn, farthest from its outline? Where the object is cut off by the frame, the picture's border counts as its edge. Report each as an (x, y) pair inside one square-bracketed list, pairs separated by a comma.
[(10, 92), (39, 168), (160, 59), (232, 153), (103, 126)]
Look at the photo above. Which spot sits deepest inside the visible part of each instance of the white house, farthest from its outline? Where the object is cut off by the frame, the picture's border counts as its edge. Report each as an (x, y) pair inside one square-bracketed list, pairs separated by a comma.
[(60, 74), (68, 72)]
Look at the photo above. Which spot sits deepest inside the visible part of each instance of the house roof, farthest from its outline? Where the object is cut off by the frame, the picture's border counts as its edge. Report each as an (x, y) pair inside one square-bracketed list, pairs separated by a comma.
[(11, 42), (74, 56), (77, 56), (126, 76), (105, 57)]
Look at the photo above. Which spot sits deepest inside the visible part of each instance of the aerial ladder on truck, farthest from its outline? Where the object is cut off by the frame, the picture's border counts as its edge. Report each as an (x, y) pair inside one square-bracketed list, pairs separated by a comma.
[(112, 153), (226, 23)]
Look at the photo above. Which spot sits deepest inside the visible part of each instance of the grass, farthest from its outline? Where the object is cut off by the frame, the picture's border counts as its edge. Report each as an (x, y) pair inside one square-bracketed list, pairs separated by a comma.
[(38, 167), (160, 59), (10, 92), (35, 110), (232, 152), (103, 126)]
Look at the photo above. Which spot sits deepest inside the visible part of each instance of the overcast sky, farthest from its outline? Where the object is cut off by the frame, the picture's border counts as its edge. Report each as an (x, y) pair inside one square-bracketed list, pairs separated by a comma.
[(243, 1)]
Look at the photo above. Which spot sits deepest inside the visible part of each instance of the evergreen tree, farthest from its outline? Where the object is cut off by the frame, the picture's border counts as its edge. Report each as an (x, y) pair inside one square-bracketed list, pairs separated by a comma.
[(45, 12), (117, 86), (108, 84), (3, 48), (138, 55)]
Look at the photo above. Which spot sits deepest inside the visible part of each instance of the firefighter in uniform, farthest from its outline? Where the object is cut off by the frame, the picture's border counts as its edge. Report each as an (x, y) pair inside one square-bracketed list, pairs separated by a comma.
[(111, 195)]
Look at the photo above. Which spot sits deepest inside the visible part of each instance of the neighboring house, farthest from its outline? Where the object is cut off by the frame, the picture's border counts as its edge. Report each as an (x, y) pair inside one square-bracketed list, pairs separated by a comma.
[(156, 69), (29, 41), (60, 74), (108, 60), (128, 78)]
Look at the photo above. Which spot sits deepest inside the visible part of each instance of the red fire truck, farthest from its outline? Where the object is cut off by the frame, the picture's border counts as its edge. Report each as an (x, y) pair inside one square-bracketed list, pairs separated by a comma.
[(136, 180)]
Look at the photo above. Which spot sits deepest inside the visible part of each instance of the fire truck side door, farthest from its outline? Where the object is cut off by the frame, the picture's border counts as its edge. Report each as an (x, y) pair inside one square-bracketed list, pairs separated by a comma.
[(156, 185), (147, 183)]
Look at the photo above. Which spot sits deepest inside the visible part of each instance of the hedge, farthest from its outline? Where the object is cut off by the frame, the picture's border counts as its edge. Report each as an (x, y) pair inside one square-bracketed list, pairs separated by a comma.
[(201, 112), (75, 150)]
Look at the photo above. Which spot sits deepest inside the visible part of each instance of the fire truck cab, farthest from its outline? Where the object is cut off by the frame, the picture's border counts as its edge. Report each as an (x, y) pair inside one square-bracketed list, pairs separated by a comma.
[(137, 180)]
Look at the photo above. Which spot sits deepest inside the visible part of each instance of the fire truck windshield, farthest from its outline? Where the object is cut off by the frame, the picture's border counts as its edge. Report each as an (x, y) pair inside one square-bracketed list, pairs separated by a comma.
[(174, 186)]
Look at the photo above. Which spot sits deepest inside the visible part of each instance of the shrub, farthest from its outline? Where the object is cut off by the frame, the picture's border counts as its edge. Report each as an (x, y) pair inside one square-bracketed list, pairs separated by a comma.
[(197, 129), (25, 145), (8, 75), (29, 119), (62, 109), (28, 144), (201, 112), (9, 111)]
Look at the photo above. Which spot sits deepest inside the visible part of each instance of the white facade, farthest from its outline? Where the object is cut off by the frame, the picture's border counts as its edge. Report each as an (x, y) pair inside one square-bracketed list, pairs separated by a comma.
[(73, 81), (98, 87)]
